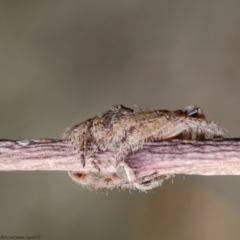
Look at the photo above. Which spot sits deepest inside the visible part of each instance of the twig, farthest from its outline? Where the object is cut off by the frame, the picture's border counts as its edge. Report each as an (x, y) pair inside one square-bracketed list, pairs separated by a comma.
[(212, 157)]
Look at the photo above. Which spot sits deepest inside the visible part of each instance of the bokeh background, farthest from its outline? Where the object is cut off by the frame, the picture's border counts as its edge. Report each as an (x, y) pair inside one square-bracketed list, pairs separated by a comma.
[(64, 61)]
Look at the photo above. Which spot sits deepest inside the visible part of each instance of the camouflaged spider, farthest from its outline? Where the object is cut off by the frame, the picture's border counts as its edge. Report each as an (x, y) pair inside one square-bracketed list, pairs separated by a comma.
[(124, 130)]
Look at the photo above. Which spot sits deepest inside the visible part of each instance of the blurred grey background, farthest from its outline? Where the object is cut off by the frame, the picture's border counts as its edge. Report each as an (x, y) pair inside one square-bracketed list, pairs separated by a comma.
[(64, 61)]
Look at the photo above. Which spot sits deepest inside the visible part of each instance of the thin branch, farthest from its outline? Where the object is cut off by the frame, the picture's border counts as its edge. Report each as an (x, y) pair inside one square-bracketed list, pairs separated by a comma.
[(212, 157), (40, 154)]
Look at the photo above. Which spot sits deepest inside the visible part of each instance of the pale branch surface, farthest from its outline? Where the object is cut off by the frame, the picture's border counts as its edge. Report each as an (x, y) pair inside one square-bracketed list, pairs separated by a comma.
[(212, 157)]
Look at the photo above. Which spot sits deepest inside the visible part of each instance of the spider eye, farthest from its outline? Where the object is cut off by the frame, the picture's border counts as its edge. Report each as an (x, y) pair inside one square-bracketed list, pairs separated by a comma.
[(116, 107), (193, 112)]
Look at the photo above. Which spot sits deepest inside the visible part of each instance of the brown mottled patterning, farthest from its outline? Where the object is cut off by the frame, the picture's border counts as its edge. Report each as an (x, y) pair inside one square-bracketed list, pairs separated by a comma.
[(123, 131)]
